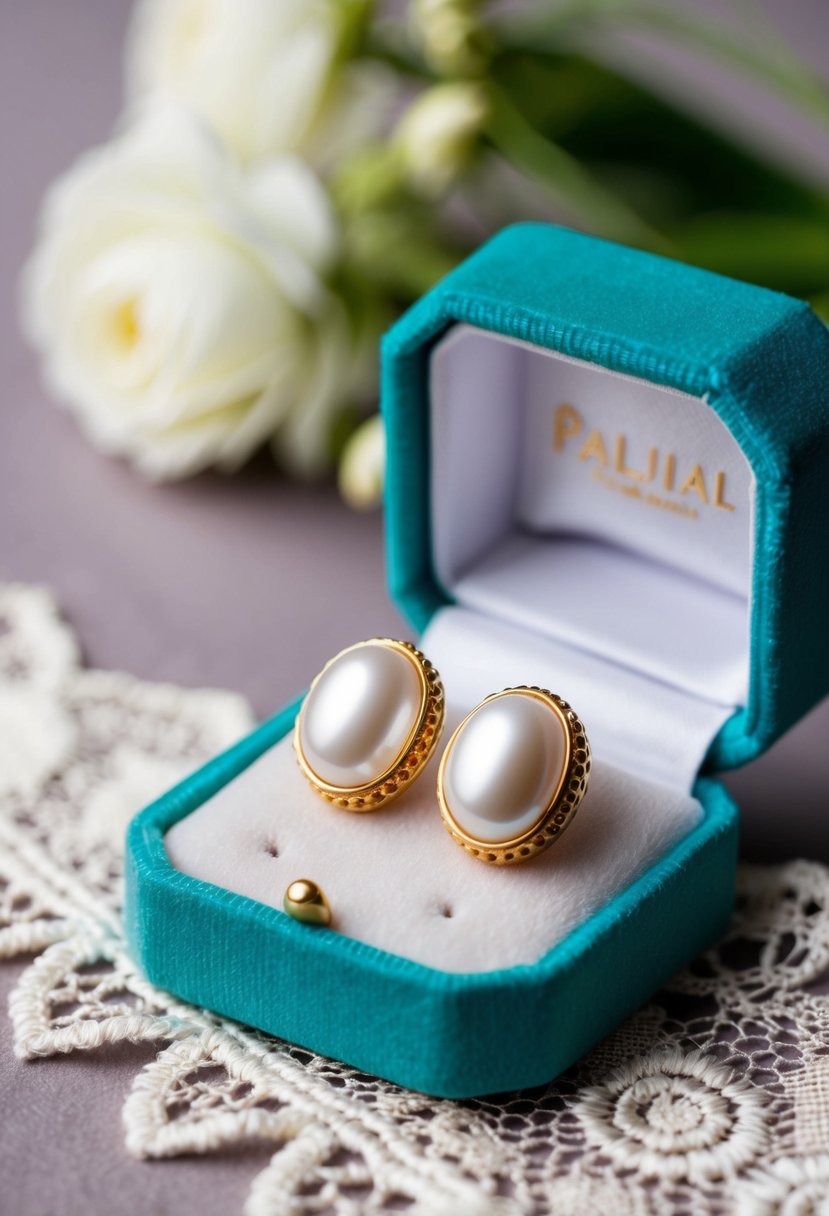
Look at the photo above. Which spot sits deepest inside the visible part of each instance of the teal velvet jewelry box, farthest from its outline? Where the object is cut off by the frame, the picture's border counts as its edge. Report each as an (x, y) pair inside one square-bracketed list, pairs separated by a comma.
[(607, 472)]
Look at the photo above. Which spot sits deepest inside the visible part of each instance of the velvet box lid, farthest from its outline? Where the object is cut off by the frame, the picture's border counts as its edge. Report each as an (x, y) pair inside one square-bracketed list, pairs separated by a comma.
[(760, 360), (683, 597)]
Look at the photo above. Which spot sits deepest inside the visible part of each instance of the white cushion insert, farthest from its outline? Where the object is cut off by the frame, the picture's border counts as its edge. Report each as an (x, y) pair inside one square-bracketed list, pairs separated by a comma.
[(396, 879)]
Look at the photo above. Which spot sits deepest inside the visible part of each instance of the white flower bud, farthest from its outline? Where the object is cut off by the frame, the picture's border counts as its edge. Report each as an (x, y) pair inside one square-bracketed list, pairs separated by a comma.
[(362, 469), (454, 39), (438, 133)]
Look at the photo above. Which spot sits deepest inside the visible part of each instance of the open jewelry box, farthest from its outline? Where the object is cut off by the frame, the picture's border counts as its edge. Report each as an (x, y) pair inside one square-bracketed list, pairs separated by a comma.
[(608, 475)]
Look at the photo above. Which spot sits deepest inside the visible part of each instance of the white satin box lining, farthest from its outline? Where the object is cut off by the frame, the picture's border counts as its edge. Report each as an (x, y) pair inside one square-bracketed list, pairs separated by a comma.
[(635, 605)]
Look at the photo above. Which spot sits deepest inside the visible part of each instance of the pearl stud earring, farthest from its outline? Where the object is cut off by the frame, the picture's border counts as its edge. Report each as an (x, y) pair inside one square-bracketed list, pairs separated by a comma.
[(369, 723), (513, 775)]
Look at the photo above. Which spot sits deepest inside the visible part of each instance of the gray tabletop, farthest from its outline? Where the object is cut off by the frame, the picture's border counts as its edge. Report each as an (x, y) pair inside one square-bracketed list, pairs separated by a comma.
[(248, 583)]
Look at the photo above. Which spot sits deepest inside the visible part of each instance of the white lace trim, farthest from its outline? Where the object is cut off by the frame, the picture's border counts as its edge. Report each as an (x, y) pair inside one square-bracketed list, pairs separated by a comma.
[(713, 1097)]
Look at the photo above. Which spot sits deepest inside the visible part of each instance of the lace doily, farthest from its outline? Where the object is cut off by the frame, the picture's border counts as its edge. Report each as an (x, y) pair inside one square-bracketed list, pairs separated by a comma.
[(713, 1098)]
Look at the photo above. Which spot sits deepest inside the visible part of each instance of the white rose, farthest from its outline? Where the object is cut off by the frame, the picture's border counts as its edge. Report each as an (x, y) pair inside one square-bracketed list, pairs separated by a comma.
[(269, 75), (179, 302)]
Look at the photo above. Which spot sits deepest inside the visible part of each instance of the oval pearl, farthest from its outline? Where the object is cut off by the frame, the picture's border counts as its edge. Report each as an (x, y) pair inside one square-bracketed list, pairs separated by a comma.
[(360, 715), (504, 767)]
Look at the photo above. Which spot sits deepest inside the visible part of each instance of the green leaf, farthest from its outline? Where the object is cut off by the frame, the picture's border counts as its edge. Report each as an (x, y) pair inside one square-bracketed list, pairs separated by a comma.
[(820, 303), (752, 48), (788, 253), (569, 180)]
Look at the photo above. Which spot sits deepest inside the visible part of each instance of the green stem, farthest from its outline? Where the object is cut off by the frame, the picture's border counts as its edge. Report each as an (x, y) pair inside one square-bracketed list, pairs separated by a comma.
[(520, 143), (775, 64)]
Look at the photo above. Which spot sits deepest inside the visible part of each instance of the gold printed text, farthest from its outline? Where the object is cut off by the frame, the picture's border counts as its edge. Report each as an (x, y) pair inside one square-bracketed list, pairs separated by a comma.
[(687, 479)]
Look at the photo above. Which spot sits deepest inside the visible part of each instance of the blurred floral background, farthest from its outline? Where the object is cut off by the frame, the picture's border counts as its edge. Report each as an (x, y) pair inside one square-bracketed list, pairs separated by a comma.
[(288, 175)]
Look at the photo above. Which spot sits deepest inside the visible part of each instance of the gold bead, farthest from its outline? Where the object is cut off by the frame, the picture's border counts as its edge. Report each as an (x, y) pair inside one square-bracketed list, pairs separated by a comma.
[(305, 901)]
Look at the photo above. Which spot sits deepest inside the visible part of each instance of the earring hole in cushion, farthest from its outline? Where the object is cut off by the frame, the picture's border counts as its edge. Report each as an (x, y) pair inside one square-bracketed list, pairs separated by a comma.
[(271, 848), (445, 911)]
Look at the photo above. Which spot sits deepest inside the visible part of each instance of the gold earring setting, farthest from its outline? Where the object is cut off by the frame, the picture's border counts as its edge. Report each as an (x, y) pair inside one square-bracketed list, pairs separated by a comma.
[(513, 774), (369, 723)]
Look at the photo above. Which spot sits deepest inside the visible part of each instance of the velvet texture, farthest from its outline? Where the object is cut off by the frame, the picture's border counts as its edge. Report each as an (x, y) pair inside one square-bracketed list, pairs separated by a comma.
[(761, 360), (446, 1034)]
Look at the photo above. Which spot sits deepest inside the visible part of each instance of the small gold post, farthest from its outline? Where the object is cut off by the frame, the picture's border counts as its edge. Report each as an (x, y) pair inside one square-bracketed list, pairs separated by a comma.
[(306, 902)]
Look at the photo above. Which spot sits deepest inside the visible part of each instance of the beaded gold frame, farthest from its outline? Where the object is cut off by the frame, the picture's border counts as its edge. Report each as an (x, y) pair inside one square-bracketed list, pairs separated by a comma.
[(412, 758), (559, 812)]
